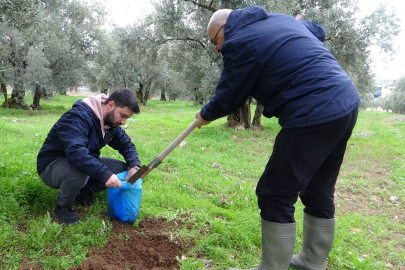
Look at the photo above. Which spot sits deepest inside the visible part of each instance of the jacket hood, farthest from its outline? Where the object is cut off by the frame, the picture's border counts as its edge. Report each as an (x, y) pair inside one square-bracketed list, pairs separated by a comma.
[(94, 102), (239, 18)]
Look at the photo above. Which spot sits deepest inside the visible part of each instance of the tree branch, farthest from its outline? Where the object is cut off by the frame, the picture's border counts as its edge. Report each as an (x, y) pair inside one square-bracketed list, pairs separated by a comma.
[(208, 7), (164, 40), (186, 38)]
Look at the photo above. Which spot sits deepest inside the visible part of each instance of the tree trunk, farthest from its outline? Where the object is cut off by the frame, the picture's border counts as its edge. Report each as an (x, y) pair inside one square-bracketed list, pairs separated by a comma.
[(172, 96), (163, 96), (199, 98), (256, 123), (37, 96), (3, 89), (240, 119), (17, 95), (145, 97), (139, 93)]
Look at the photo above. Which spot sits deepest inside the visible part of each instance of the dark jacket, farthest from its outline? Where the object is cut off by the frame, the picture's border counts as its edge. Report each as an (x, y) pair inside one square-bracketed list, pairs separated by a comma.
[(278, 61), (77, 136)]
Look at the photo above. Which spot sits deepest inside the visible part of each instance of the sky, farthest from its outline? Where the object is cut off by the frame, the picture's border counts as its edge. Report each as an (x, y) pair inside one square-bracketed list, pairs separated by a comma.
[(383, 69), (126, 12)]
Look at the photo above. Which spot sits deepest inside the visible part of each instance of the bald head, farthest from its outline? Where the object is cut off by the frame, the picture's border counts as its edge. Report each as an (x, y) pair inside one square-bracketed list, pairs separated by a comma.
[(219, 17), (216, 28)]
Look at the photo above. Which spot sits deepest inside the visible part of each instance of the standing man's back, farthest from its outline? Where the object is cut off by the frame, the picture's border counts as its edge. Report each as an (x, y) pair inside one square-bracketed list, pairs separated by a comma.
[(278, 61)]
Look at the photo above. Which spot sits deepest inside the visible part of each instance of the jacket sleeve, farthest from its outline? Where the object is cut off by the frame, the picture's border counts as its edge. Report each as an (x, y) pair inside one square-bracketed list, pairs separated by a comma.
[(238, 79), (73, 131), (122, 142), (315, 28)]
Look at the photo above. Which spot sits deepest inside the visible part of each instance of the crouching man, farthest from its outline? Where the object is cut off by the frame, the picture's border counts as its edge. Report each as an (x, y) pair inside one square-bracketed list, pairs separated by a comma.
[(69, 159)]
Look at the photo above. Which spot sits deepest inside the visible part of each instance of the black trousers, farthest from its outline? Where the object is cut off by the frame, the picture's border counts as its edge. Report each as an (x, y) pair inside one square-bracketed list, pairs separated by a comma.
[(305, 162), (70, 181)]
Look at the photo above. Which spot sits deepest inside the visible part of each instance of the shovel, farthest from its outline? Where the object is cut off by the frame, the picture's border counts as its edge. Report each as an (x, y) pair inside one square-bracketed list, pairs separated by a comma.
[(144, 170)]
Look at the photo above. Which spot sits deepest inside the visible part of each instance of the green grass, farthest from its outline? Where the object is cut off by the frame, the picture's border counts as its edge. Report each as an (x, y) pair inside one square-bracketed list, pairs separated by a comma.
[(209, 182)]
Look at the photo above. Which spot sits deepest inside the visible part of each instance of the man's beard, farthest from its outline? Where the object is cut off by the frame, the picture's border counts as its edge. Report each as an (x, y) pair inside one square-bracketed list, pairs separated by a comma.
[(109, 120)]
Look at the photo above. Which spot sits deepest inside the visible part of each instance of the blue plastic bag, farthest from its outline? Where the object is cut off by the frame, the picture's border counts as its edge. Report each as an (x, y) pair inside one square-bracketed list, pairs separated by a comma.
[(124, 203)]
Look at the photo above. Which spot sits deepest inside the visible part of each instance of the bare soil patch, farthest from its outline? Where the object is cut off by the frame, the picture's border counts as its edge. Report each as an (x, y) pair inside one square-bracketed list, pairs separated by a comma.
[(153, 245)]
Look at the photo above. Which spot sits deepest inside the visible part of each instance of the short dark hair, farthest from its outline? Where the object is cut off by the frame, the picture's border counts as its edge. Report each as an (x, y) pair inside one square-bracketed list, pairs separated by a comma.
[(124, 98)]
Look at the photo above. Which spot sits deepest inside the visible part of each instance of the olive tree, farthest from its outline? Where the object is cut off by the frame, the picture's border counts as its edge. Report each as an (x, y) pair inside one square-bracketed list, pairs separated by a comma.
[(66, 33), (38, 75), (395, 101)]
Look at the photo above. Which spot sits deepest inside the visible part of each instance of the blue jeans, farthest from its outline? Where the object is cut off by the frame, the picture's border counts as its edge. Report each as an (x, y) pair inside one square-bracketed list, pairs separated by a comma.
[(61, 175)]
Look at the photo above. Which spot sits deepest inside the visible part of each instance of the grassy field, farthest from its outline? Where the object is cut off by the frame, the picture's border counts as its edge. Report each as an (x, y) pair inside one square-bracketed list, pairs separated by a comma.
[(210, 182)]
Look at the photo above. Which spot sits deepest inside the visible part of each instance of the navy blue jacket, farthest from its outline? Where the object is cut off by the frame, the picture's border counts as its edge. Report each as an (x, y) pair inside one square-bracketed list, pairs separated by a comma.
[(282, 63), (77, 136)]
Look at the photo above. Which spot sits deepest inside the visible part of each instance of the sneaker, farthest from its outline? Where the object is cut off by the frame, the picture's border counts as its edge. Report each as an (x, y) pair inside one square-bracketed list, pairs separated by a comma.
[(85, 199), (66, 215)]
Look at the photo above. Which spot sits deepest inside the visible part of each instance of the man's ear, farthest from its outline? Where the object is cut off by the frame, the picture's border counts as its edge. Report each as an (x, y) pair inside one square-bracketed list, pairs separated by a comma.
[(110, 106)]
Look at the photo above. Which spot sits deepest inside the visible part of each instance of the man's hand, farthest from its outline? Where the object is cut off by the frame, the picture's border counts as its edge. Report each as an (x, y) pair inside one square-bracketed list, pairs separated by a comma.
[(113, 181), (131, 172), (201, 121)]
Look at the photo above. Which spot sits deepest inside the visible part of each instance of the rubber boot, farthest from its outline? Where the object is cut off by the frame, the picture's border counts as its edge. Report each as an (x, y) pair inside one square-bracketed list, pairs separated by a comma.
[(317, 242), (278, 241)]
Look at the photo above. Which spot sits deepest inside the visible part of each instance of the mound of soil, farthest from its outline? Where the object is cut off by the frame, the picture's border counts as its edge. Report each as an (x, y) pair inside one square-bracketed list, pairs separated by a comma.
[(150, 246)]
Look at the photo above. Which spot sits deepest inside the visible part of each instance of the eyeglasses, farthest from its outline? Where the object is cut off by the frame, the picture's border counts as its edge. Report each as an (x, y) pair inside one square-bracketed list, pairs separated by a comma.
[(213, 40)]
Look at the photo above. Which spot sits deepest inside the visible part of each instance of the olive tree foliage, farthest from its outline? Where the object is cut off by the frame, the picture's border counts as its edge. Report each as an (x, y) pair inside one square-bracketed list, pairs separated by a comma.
[(348, 37), (56, 37), (192, 74), (180, 32), (127, 58), (395, 100), (15, 15), (75, 31), (148, 61), (114, 67), (367, 101)]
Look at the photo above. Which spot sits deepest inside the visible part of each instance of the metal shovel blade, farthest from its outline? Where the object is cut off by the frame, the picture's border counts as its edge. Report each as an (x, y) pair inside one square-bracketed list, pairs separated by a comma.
[(144, 170), (138, 174)]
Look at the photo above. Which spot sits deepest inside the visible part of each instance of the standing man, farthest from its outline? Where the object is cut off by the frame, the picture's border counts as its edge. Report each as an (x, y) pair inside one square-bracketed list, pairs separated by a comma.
[(69, 159), (282, 63)]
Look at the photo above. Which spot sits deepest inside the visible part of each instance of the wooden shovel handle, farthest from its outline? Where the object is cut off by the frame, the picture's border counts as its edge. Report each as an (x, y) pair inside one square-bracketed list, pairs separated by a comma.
[(184, 134)]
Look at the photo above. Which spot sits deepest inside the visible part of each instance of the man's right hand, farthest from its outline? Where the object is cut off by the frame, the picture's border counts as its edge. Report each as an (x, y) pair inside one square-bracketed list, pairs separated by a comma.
[(299, 17), (201, 121), (113, 181)]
